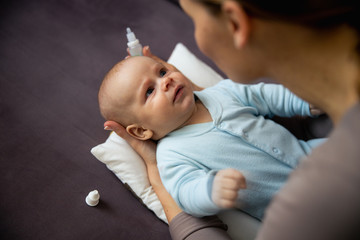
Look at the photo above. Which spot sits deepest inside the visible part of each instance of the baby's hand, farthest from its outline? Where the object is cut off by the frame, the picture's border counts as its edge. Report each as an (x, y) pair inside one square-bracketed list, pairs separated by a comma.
[(226, 185)]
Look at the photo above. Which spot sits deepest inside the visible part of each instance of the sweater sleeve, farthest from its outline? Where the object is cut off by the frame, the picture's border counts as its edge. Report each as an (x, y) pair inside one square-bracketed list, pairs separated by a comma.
[(189, 184), (270, 99)]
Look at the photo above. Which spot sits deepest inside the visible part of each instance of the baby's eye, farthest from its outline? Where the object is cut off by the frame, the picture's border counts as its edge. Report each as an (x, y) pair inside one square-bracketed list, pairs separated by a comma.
[(162, 72), (149, 92)]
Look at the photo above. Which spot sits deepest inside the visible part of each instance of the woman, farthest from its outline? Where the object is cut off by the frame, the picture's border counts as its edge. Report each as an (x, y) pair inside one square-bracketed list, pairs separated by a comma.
[(311, 47)]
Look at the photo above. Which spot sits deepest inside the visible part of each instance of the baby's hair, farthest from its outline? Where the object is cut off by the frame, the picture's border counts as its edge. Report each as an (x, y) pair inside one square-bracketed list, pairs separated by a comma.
[(110, 108)]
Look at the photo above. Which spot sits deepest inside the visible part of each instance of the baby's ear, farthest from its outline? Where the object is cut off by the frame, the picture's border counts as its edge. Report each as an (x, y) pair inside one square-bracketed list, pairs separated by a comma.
[(139, 132)]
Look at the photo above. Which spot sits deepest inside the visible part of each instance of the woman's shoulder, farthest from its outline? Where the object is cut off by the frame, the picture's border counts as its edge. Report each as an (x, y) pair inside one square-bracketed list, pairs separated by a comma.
[(321, 186)]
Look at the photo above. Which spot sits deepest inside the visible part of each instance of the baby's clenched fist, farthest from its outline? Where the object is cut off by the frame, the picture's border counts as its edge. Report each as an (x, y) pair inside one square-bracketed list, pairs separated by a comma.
[(225, 188)]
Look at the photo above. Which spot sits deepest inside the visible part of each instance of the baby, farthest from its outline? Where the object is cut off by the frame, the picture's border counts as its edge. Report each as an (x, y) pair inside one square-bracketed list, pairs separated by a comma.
[(211, 140)]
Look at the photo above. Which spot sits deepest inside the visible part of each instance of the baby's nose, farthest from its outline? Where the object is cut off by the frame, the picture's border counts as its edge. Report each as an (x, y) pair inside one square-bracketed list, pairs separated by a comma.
[(166, 82)]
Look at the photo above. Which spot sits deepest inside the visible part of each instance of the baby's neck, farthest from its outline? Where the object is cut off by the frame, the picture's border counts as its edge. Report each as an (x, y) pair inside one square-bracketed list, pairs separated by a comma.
[(200, 115)]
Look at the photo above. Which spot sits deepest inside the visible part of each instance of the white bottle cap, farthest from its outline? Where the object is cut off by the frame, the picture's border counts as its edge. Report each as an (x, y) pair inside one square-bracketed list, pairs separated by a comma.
[(92, 199), (130, 35), (132, 40)]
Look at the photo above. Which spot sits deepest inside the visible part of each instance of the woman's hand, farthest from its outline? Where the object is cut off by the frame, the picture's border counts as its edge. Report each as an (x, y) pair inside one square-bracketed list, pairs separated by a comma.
[(315, 111), (146, 149)]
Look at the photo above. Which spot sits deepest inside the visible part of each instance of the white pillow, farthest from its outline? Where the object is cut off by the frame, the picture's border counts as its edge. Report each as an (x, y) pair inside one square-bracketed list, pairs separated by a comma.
[(129, 167)]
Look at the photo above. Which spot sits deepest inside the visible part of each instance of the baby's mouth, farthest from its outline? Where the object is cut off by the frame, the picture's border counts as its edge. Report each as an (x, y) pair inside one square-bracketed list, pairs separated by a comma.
[(178, 93)]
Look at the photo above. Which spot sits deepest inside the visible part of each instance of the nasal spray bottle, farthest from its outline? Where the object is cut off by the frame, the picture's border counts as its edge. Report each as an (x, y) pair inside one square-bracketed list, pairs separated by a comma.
[(135, 47)]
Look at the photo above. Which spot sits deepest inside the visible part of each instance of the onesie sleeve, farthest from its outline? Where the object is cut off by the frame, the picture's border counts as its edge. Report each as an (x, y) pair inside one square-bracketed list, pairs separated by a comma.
[(270, 99), (188, 183)]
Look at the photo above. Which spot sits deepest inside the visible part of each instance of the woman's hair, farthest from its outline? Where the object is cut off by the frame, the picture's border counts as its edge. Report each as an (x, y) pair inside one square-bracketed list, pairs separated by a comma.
[(317, 14), (313, 13)]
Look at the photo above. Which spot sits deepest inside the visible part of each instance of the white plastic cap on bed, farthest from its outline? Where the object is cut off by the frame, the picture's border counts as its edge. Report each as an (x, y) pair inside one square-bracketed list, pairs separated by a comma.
[(92, 199)]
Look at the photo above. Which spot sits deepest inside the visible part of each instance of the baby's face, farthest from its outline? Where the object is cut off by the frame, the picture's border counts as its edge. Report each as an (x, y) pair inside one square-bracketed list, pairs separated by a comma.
[(161, 100)]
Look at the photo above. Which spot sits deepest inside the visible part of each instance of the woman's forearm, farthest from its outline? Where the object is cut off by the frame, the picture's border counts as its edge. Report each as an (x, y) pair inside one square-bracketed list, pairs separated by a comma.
[(170, 207)]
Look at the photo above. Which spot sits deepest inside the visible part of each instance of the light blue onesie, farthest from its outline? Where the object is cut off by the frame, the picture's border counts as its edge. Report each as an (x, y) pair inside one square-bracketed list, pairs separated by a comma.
[(239, 137)]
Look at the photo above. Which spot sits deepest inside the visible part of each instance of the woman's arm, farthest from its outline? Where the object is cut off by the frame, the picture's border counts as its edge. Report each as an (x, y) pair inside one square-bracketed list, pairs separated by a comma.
[(169, 205), (147, 150), (182, 226)]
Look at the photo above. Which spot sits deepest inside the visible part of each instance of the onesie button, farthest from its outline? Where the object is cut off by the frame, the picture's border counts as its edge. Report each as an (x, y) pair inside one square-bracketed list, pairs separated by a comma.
[(276, 150), (245, 134)]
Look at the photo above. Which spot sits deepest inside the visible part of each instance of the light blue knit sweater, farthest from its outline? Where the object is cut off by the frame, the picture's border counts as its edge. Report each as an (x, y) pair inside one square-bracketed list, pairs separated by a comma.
[(239, 137)]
